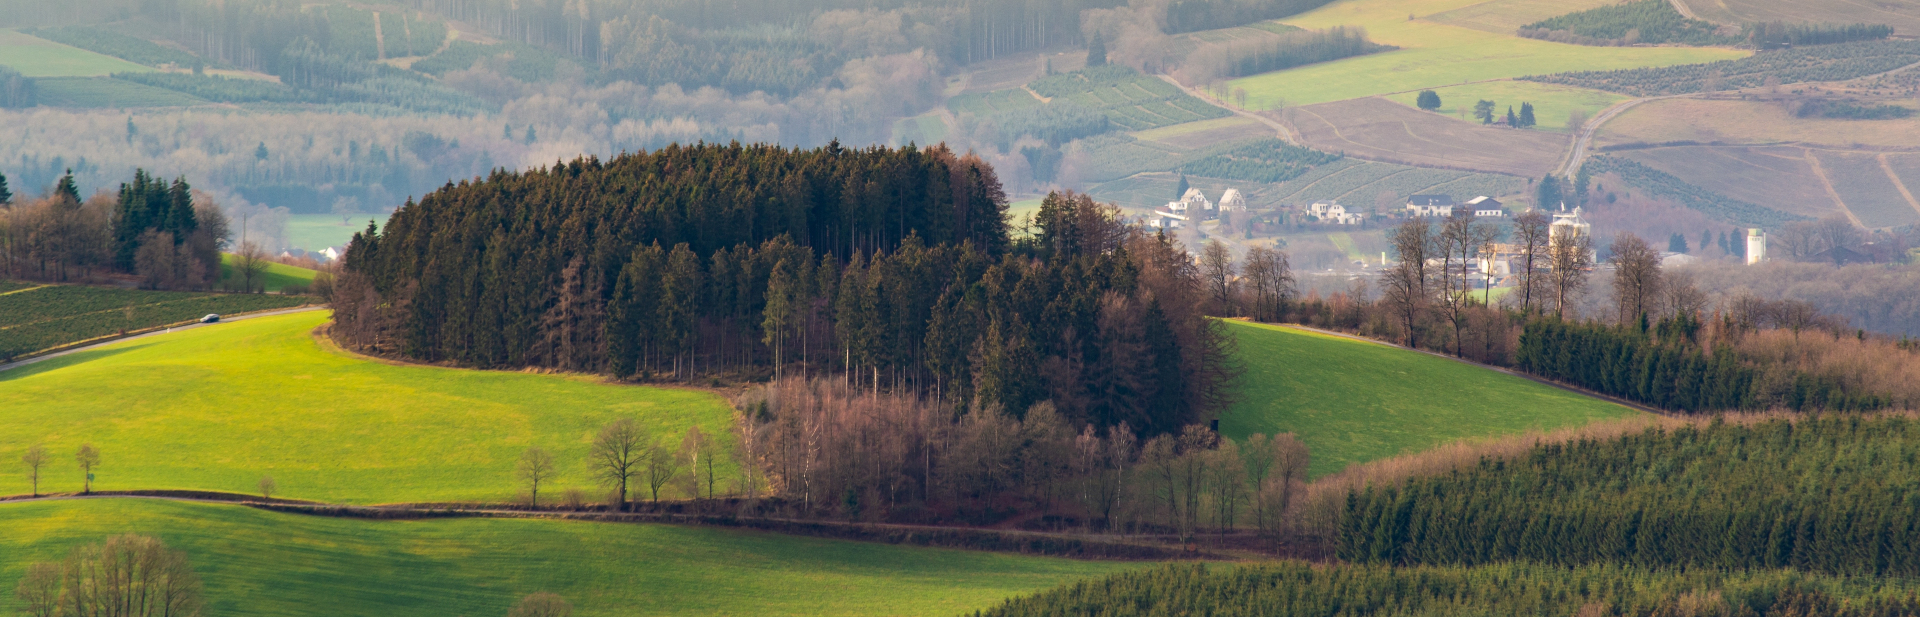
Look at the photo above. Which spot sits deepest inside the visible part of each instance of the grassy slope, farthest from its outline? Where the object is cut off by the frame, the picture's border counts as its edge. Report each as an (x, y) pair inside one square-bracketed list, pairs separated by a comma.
[(269, 564), (217, 407), (278, 275), (314, 232), (35, 317), (1352, 401), (33, 56), (1435, 54)]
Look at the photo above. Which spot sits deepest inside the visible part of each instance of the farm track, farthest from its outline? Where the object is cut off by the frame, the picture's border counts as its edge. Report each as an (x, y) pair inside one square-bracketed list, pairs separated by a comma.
[(157, 331), (1279, 128)]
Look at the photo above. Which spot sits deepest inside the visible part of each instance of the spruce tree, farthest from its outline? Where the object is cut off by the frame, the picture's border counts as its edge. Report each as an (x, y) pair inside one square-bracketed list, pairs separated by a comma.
[(1546, 193), (1181, 191), (1526, 115), (1096, 51), (67, 188), (1512, 122), (6, 196)]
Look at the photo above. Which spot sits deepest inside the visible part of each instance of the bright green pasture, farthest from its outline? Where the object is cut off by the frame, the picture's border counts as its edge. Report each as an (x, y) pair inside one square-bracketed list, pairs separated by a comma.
[(1552, 103), (218, 407), (314, 232), (1435, 54), (273, 565), (33, 56), (1355, 401), (278, 275)]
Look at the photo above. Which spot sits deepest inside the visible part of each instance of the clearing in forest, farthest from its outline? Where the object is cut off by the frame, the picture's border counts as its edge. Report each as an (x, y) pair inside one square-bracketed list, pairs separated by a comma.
[(262, 563), (33, 56), (1438, 54), (217, 407), (1355, 401)]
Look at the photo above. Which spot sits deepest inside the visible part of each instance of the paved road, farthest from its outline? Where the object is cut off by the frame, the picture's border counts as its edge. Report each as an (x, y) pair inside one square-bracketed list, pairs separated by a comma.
[(223, 319)]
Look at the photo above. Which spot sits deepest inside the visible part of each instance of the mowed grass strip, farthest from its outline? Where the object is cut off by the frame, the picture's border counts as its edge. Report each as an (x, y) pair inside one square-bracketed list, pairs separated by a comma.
[(1436, 54), (1356, 401), (281, 565), (216, 408), (33, 56)]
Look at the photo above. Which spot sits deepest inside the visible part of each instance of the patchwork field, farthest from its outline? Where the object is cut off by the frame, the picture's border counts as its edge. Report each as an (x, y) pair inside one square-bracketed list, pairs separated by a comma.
[(1903, 16), (1436, 54), (1747, 121), (262, 563), (33, 56), (218, 407), (1355, 401), (1377, 128), (1131, 100), (34, 317), (1552, 104), (1794, 179), (105, 92), (1205, 132), (1779, 177)]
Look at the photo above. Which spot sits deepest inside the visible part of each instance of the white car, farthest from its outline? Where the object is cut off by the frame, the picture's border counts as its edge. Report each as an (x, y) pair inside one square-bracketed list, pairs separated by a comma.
[(210, 318)]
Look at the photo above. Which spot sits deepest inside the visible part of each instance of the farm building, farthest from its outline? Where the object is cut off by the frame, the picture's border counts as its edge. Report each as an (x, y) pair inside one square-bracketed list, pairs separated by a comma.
[(1193, 205), (1486, 206), (1335, 213), (1430, 205), (1232, 201)]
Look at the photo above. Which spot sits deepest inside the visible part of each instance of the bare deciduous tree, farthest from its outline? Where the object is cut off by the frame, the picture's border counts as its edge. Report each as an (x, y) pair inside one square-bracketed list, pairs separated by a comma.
[(1569, 254), (1404, 285), (1216, 264), (616, 455), (250, 266), (126, 576), (535, 467), (660, 464), (1270, 279), (1531, 231), (1274, 466), (267, 487), (35, 458), (88, 457), (542, 604), (1636, 277)]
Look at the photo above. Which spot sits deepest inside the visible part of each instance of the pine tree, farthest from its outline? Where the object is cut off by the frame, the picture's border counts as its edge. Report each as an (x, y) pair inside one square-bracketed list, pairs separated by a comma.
[(6, 196), (1181, 190), (1677, 243), (1546, 193), (68, 189), (1511, 120), (1096, 51), (1526, 115)]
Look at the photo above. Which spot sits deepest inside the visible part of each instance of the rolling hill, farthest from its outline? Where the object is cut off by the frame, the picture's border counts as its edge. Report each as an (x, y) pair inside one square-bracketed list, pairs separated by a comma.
[(269, 564), (1354, 401), (217, 407)]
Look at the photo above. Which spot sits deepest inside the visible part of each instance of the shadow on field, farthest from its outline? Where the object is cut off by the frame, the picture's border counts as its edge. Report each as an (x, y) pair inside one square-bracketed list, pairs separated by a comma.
[(64, 361)]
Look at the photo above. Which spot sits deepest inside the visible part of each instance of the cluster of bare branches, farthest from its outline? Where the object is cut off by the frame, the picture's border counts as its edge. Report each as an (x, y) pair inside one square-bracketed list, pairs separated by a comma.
[(125, 576)]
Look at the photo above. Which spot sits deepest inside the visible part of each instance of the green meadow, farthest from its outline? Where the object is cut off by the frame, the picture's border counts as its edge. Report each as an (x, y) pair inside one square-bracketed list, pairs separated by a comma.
[(1553, 104), (269, 564), (1435, 54), (33, 56), (217, 407), (277, 277), (314, 232), (1355, 401)]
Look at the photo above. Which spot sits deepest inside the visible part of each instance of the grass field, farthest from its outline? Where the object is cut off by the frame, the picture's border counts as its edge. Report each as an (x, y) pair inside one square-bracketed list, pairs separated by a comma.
[(217, 407), (35, 317), (1353, 401), (1437, 54), (1747, 121), (96, 92), (1376, 128), (314, 232), (33, 56), (278, 276), (280, 565), (1552, 103)]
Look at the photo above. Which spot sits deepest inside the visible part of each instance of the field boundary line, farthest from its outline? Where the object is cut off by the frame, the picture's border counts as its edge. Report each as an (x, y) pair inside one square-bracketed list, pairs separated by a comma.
[(25, 290), (1820, 171), (1529, 377), (1897, 183), (79, 346), (1278, 127)]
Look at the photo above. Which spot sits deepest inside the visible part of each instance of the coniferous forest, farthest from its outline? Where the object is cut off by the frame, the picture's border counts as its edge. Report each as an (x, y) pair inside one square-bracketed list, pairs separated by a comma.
[(893, 268)]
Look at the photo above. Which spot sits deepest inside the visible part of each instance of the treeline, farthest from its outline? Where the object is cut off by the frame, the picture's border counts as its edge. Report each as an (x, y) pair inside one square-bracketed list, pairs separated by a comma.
[(1849, 110), (1367, 590), (1255, 55), (153, 229), (1271, 161), (1646, 21), (711, 260), (1773, 35), (1197, 15), (1820, 494), (219, 89), (829, 449), (17, 91), (1838, 62)]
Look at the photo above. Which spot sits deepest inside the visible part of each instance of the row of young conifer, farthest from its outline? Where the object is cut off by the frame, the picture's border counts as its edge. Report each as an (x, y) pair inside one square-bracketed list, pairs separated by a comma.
[(1361, 590), (1832, 494)]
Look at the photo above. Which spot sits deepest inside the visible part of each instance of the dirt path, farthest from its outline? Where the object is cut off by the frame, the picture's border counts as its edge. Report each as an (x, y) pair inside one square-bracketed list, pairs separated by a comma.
[(1279, 128), (1685, 11), (1898, 183), (224, 319), (25, 290), (379, 42), (1826, 182)]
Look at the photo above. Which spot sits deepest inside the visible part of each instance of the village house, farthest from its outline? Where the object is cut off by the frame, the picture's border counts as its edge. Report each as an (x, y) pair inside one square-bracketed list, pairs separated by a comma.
[(1484, 206), (1430, 205), (1329, 212)]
